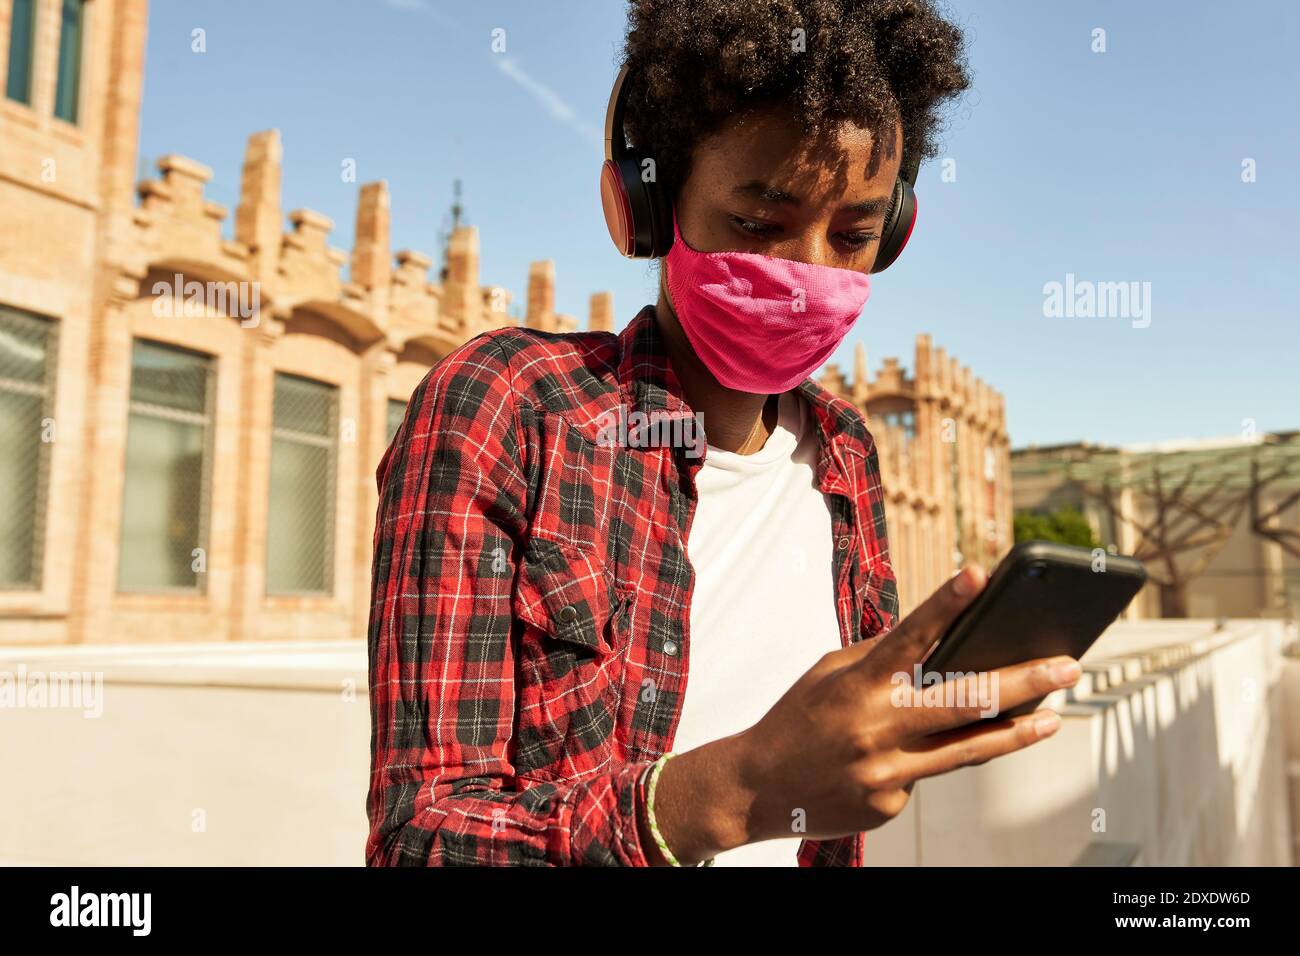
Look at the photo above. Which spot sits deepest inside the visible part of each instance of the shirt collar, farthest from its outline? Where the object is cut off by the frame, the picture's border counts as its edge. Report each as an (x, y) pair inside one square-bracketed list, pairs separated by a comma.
[(649, 384), (646, 376)]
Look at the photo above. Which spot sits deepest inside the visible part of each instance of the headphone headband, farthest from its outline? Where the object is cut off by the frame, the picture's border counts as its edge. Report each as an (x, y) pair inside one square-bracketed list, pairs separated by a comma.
[(638, 212), (909, 169), (615, 138)]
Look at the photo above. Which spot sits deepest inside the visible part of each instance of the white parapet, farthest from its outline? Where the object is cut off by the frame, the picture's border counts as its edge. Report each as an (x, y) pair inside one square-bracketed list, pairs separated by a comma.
[(216, 754), (1172, 751), (1175, 749)]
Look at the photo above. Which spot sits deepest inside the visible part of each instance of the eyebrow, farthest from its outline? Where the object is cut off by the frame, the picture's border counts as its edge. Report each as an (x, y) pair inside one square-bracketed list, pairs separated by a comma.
[(761, 190)]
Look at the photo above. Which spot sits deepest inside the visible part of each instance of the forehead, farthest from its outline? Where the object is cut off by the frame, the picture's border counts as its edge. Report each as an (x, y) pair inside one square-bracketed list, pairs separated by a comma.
[(769, 146)]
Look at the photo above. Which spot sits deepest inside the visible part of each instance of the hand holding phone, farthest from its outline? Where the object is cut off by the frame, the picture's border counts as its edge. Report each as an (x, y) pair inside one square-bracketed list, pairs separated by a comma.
[(1043, 600), (849, 739)]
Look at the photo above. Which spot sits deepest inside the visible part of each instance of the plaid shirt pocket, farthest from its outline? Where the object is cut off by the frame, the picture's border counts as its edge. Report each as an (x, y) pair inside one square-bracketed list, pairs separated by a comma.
[(572, 654)]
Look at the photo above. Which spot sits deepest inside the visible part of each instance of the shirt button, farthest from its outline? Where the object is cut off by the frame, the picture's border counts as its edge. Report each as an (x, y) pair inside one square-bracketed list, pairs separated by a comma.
[(568, 614), (844, 542), (670, 648)]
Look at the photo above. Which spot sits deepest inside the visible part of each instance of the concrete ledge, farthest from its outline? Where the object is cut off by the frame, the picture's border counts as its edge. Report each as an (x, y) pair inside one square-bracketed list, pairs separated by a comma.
[(281, 665), (1174, 743), (1186, 748), (224, 754)]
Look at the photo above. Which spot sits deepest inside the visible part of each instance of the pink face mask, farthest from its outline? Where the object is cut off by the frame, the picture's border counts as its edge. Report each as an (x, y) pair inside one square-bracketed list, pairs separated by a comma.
[(758, 323)]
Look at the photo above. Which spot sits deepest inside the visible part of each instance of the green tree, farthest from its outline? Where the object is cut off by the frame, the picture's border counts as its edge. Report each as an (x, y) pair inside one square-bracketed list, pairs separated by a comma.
[(1064, 526)]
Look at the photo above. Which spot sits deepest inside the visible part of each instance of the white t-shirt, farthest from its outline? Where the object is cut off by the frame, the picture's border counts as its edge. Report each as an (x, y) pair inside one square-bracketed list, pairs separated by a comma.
[(763, 608)]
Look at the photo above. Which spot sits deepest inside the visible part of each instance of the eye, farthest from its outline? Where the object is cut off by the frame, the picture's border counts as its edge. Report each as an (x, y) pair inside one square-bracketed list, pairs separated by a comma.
[(753, 226), (856, 240)]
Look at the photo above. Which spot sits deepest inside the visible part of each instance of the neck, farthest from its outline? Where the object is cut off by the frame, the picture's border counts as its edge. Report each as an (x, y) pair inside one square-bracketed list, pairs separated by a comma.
[(734, 421)]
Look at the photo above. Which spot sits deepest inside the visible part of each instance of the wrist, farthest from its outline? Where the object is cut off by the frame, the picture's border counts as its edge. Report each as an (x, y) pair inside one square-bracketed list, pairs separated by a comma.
[(719, 796), (748, 791)]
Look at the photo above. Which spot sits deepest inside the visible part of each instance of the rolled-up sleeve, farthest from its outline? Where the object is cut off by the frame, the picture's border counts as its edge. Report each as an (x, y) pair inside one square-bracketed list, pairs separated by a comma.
[(451, 521)]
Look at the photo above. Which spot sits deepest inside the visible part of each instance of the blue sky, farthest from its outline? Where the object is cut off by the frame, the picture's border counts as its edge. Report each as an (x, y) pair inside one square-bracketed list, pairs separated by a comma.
[(1122, 166)]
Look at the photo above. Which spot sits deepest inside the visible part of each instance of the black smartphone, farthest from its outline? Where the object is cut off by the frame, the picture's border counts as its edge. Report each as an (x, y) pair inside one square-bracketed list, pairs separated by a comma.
[(1043, 600)]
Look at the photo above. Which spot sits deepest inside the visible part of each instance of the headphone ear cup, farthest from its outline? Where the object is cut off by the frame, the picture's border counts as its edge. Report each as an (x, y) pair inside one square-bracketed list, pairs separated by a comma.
[(638, 213), (617, 207), (898, 225), (640, 205)]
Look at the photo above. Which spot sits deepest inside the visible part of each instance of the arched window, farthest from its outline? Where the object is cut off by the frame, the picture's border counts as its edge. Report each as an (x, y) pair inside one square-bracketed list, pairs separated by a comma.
[(168, 470), (304, 460), (396, 412), (27, 347), (72, 29), (22, 40), (906, 420)]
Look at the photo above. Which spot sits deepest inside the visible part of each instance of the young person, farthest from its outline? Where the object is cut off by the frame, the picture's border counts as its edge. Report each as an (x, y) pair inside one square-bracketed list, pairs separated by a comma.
[(600, 636)]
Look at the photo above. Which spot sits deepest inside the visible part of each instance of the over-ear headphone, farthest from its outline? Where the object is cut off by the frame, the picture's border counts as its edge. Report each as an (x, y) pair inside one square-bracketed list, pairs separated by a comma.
[(638, 210)]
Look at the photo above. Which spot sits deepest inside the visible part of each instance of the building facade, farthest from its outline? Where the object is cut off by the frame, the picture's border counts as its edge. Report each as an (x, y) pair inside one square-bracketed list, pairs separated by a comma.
[(191, 422), (945, 462), (191, 411)]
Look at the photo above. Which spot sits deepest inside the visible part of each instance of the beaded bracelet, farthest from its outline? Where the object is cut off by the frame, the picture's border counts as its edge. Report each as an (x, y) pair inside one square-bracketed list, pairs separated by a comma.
[(650, 814)]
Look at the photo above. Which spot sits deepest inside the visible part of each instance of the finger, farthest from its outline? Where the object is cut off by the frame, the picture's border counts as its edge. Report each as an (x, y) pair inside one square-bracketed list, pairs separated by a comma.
[(976, 744), (908, 643), (962, 699)]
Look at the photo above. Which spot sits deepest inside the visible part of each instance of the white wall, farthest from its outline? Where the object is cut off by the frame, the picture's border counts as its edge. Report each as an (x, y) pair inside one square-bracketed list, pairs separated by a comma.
[(1173, 747), (271, 744), (1176, 734)]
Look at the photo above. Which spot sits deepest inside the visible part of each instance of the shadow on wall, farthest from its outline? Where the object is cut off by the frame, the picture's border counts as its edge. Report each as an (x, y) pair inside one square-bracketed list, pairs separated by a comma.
[(1176, 754)]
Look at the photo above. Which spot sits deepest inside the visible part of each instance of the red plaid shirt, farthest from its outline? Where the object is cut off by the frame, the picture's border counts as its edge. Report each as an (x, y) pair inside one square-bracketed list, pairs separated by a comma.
[(529, 628)]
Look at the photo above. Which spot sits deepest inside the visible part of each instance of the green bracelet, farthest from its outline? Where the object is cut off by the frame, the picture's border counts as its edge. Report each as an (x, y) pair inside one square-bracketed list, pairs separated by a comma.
[(650, 814)]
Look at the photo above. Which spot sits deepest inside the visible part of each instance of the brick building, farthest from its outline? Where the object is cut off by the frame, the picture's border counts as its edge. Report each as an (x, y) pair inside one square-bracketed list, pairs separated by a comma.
[(945, 462), (190, 422)]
